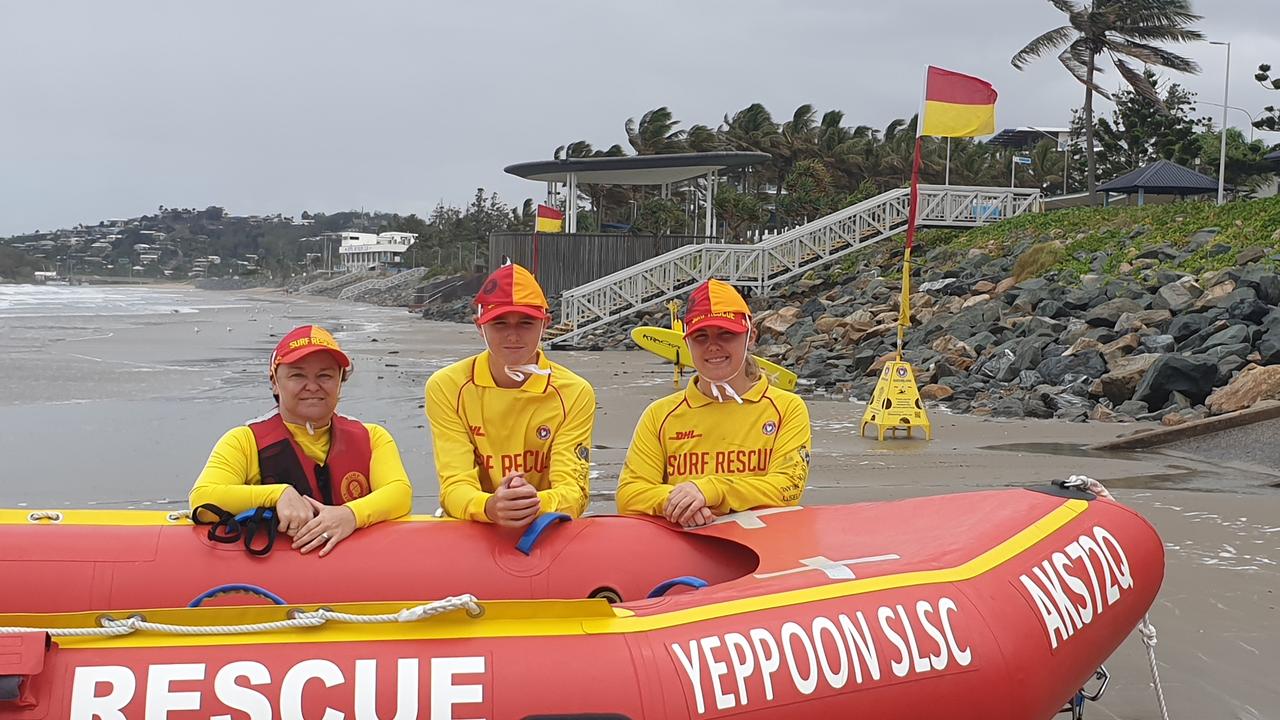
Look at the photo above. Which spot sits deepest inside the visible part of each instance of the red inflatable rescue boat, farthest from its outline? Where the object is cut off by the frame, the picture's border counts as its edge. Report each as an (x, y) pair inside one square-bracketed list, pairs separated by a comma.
[(983, 605)]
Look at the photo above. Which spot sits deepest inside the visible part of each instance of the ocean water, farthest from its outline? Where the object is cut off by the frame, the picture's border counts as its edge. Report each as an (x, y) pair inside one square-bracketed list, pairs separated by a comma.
[(99, 300)]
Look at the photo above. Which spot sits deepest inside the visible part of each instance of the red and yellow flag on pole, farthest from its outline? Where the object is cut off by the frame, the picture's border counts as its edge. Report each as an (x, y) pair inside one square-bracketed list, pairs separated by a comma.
[(957, 105), (954, 105), (548, 220)]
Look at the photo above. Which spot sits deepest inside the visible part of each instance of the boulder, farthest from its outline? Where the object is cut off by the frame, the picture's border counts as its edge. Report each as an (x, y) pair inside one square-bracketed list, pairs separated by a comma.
[(1157, 344), (976, 299), (1088, 363), (1010, 407), (826, 324), (1254, 384), (1214, 296), (1119, 348), (1233, 335), (1132, 408), (1106, 314), (1248, 309), (782, 320), (1133, 322), (1084, 343), (1184, 326), (1250, 255), (1121, 382), (1192, 376), (936, 392), (984, 287), (1178, 296)]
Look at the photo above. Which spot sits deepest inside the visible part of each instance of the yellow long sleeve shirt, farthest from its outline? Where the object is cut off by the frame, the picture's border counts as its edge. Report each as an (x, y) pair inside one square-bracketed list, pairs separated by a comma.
[(231, 479), (482, 432), (740, 456)]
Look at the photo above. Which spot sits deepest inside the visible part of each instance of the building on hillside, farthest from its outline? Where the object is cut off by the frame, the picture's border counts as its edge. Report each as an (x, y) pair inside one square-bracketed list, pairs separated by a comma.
[(367, 251)]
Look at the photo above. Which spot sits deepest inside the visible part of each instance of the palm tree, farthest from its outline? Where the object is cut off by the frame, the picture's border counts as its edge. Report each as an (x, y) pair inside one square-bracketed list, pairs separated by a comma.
[(1120, 29), (656, 133)]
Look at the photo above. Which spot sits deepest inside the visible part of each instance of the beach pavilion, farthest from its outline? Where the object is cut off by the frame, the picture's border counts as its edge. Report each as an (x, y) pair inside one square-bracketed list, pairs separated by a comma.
[(568, 259), (1161, 178)]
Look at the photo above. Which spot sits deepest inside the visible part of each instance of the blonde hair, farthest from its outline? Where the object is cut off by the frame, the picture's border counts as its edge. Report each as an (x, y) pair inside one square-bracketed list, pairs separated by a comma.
[(752, 368)]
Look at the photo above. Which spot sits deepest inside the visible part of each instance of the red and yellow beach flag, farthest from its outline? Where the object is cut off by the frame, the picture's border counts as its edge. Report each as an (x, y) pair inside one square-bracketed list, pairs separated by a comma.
[(548, 220), (957, 105)]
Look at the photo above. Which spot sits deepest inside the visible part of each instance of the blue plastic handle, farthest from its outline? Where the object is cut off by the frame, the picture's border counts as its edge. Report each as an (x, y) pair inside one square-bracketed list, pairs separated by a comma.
[(535, 530), (236, 588), (267, 514), (685, 580)]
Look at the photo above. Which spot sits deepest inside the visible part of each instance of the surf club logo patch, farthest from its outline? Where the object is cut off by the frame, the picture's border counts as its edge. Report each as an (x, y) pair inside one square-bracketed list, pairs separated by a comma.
[(769, 428), (543, 432), (902, 371), (354, 486), (583, 453)]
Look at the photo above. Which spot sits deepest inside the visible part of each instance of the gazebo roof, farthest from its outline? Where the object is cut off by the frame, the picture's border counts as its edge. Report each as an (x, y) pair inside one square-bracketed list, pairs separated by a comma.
[(636, 169), (1162, 177)]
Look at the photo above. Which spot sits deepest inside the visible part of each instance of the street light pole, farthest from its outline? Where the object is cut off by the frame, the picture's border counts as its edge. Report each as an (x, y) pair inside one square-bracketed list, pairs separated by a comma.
[(1222, 151)]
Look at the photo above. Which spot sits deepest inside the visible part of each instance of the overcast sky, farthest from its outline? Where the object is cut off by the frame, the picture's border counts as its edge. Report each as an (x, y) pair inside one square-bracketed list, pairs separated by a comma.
[(110, 109)]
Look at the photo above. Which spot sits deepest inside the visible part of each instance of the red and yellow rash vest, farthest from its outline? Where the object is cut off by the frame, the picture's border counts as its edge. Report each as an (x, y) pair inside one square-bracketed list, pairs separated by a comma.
[(232, 477), (740, 456), (481, 433)]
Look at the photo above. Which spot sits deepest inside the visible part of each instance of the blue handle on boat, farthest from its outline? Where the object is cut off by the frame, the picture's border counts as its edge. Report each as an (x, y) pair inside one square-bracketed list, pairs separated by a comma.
[(236, 588), (685, 580), (267, 514), (535, 530)]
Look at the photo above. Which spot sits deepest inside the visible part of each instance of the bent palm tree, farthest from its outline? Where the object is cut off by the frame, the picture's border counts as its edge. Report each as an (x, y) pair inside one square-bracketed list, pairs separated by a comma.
[(1121, 29)]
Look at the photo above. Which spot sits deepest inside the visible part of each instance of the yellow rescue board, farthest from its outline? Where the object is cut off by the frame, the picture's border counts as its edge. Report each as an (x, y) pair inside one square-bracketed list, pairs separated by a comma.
[(670, 346)]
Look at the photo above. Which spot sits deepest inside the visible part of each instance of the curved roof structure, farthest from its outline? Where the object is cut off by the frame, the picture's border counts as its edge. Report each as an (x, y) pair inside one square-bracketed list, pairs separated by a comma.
[(635, 169)]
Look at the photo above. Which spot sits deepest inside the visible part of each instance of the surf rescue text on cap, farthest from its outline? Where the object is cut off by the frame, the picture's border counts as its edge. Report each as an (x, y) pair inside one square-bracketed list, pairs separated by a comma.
[(304, 340), (718, 304), (511, 288)]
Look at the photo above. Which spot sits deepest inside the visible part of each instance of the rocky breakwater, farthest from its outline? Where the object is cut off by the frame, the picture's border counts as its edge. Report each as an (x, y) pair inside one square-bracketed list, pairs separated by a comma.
[(1157, 345)]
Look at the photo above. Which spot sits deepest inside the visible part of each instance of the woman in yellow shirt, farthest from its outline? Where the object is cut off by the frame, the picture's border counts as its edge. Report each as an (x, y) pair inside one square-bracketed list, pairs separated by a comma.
[(325, 474), (729, 441), (511, 430)]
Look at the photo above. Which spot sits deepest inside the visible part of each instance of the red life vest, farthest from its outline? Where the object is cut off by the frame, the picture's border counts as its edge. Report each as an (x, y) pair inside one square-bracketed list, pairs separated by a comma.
[(343, 477)]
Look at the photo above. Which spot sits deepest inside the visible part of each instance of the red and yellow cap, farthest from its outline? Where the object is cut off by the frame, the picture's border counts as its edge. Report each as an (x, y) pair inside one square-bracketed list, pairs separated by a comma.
[(716, 304), (302, 341), (511, 288)]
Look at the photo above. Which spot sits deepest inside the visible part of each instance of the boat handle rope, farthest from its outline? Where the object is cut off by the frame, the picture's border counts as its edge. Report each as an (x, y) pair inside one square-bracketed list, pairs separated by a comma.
[(530, 536), (1147, 632), (52, 516), (112, 627), (236, 588)]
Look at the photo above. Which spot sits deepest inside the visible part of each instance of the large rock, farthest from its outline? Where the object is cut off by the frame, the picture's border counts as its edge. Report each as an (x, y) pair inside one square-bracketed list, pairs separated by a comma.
[(1269, 348), (1120, 347), (1263, 281), (1088, 363), (1192, 376), (1120, 384), (936, 392), (1248, 309), (1158, 343), (1106, 314), (1133, 322), (1178, 296), (1184, 326), (782, 320), (1254, 384), (1233, 335)]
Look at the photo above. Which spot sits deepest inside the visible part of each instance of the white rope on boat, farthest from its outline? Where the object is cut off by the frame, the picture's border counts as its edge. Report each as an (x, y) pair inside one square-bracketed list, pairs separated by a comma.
[(1148, 633), (111, 627), (50, 515), (178, 516)]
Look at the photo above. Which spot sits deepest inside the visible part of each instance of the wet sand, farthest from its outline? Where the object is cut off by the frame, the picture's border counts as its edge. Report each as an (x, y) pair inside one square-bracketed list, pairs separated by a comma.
[(121, 411)]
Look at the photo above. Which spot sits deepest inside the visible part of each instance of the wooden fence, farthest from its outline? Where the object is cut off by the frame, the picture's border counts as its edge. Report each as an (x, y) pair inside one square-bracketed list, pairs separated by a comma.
[(562, 261)]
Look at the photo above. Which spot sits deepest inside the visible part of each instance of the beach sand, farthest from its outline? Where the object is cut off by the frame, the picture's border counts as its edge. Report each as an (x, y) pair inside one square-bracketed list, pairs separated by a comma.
[(121, 411)]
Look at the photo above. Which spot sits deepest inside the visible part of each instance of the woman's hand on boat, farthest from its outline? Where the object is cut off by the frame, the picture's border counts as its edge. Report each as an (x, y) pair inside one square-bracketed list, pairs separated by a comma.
[(331, 525), (687, 507), (514, 504), (294, 511)]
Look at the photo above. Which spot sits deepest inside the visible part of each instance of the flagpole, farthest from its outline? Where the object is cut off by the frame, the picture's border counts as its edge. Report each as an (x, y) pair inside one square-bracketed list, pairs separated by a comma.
[(904, 306), (947, 178)]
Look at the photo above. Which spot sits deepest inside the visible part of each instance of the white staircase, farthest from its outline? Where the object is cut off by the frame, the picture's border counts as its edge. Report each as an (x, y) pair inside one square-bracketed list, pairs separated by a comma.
[(379, 283), (322, 285), (781, 257)]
